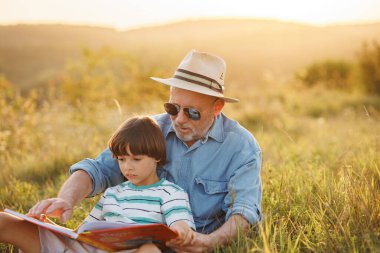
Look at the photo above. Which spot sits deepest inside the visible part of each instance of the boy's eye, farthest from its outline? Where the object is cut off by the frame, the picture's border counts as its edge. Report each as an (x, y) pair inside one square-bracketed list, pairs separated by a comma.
[(120, 159)]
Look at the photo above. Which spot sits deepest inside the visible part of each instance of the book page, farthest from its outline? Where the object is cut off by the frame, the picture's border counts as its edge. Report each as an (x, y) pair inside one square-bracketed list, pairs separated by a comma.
[(53, 227), (98, 225)]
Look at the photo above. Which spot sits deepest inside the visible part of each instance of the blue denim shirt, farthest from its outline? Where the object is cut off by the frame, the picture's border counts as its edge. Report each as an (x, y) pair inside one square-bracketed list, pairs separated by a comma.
[(221, 173)]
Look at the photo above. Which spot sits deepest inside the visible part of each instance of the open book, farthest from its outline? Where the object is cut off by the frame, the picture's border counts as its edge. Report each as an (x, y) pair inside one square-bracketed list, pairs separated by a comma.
[(109, 236)]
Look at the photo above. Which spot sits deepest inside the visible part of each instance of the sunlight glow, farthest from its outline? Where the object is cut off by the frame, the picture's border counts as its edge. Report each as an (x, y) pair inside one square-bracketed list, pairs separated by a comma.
[(122, 14)]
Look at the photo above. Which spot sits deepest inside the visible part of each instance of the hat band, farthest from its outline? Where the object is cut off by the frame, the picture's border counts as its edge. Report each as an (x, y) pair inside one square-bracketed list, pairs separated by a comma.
[(198, 79)]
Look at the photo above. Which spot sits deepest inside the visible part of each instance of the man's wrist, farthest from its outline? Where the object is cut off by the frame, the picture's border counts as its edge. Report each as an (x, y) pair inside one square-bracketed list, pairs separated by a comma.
[(227, 232), (76, 188), (69, 201), (209, 241)]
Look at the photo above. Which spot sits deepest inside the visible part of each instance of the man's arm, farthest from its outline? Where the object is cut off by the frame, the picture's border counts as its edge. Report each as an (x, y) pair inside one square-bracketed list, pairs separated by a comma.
[(225, 234), (88, 178), (235, 225), (103, 170), (74, 190)]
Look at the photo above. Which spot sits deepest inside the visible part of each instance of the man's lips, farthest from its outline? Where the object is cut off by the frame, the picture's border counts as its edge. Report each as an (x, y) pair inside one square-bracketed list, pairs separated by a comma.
[(183, 129)]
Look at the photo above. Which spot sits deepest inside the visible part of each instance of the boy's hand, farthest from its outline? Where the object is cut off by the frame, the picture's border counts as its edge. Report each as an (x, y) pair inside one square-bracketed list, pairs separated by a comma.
[(186, 236), (54, 207), (202, 243)]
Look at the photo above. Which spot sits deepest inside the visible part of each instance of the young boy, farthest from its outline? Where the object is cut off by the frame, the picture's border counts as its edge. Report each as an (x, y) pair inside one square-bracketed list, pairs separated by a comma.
[(139, 147)]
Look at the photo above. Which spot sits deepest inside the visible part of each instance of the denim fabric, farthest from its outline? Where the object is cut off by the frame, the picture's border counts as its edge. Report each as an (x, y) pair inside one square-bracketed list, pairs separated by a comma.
[(221, 172)]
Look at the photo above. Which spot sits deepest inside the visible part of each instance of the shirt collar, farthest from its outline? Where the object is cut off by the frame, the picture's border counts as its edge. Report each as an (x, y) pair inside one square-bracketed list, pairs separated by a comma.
[(216, 131)]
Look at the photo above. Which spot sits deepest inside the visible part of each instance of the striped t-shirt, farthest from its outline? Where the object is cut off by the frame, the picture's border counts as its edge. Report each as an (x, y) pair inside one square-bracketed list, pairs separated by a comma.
[(162, 202)]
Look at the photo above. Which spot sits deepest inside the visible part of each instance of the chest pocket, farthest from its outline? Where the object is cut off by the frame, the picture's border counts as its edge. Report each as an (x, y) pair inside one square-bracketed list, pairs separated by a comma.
[(212, 186), (208, 199)]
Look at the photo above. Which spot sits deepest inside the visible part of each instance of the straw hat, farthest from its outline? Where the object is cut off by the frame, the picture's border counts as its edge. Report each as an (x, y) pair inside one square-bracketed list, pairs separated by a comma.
[(200, 72)]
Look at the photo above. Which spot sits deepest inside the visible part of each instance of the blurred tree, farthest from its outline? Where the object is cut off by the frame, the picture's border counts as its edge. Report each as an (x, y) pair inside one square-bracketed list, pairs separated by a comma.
[(109, 74), (330, 74), (369, 65)]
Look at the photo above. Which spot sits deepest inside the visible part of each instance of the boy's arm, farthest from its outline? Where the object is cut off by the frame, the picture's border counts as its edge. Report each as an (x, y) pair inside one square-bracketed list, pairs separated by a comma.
[(74, 190)]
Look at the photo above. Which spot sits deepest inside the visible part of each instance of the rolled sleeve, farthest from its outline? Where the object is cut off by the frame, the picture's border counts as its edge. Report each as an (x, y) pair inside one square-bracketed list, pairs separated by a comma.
[(103, 170), (244, 196)]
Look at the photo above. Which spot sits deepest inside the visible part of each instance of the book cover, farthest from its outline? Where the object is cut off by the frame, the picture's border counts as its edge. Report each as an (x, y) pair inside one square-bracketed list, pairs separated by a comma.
[(109, 236)]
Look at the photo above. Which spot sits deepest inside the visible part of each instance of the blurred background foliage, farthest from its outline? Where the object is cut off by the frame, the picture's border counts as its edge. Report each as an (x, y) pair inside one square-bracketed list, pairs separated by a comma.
[(311, 101), (106, 74), (362, 74)]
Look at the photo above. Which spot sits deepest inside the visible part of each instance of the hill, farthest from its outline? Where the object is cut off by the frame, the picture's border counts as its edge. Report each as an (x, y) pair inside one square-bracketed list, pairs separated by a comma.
[(31, 53), (254, 49)]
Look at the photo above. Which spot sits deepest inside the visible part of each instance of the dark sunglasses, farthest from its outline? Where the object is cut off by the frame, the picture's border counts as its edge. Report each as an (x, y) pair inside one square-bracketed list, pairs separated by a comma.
[(174, 109)]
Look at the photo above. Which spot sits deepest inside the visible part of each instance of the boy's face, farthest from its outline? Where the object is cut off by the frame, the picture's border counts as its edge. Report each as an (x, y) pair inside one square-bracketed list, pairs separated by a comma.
[(138, 169)]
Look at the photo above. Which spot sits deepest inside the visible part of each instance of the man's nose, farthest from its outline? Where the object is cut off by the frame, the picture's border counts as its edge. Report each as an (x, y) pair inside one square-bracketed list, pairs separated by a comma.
[(181, 117)]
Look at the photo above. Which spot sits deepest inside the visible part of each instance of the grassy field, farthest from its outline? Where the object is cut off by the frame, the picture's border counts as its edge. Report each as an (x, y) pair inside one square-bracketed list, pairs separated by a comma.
[(321, 162)]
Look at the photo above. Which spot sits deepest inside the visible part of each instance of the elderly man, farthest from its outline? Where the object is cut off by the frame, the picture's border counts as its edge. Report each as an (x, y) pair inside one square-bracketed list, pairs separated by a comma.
[(212, 157)]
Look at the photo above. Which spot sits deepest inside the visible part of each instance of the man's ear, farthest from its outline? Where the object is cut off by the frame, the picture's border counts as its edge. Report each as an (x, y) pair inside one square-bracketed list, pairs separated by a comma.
[(218, 106)]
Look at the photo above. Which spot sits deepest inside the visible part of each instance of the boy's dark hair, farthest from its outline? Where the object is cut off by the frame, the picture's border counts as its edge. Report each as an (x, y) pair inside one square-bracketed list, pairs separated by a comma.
[(142, 135)]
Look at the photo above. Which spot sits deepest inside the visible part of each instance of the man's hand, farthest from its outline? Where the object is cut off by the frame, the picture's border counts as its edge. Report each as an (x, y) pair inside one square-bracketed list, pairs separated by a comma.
[(200, 243), (73, 191), (54, 207)]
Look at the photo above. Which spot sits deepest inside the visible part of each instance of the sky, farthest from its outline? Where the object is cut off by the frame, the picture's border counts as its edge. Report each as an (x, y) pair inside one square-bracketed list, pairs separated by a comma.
[(128, 14)]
